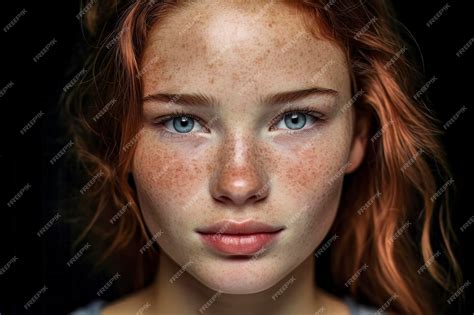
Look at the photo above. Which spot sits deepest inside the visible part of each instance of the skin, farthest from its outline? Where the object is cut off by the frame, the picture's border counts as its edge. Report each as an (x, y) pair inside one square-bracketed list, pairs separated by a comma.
[(240, 166)]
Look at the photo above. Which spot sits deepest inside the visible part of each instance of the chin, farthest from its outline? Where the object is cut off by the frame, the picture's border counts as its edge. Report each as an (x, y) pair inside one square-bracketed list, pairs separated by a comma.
[(239, 276), (243, 286)]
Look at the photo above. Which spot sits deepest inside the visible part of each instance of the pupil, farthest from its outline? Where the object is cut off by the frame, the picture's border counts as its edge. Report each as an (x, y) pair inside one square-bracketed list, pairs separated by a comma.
[(183, 124), (293, 121)]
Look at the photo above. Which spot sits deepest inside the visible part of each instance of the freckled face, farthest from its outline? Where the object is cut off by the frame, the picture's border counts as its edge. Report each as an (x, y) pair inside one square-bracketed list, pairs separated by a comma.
[(241, 159)]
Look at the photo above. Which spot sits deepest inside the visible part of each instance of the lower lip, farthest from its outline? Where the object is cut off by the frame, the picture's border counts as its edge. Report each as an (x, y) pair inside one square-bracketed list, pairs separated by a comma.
[(239, 244)]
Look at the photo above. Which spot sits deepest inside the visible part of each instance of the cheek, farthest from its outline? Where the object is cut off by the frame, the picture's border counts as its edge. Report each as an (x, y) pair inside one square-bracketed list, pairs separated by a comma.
[(168, 181), (310, 177), (315, 166)]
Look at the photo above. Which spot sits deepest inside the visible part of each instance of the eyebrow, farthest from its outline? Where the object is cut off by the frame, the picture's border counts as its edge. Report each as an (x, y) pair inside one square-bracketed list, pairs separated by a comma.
[(202, 99)]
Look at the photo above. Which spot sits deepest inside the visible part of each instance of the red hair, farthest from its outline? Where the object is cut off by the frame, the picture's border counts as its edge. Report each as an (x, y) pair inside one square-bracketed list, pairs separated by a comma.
[(388, 212)]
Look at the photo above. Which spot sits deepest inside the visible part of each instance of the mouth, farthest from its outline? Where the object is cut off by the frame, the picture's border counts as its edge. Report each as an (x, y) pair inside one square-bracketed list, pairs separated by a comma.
[(244, 238)]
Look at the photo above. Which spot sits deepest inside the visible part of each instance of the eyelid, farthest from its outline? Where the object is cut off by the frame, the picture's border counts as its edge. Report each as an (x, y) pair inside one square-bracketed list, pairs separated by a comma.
[(179, 113), (165, 132), (305, 110), (175, 114)]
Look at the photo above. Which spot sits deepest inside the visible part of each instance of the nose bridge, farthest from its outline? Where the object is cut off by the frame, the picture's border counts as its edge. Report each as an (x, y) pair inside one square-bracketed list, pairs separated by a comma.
[(237, 149), (239, 175)]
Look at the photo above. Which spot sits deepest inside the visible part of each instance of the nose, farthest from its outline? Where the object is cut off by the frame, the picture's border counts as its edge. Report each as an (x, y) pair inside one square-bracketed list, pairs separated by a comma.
[(239, 179)]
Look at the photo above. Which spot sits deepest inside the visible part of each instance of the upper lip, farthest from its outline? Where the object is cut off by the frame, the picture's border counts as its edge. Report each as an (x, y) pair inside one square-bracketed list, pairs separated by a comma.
[(244, 227)]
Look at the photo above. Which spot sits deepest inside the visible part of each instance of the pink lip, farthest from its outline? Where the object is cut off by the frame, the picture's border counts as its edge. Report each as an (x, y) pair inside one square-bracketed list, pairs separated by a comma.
[(244, 238)]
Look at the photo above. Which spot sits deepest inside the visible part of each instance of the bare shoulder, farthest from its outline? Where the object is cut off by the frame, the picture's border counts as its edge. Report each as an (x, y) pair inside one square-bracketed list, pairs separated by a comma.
[(129, 304)]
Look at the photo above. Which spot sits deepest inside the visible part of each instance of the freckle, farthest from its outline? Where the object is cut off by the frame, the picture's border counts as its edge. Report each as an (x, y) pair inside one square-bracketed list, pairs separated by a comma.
[(209, 167), (197, 170), (235, 76), (211, 80), (270, 24)]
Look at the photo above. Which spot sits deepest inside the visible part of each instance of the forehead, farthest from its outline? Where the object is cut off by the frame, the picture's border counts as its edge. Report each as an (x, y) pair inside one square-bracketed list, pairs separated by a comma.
[(238, 49)]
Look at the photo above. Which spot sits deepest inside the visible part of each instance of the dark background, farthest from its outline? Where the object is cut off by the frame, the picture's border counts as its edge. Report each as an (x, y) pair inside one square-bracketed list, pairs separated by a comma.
[(37, 87)]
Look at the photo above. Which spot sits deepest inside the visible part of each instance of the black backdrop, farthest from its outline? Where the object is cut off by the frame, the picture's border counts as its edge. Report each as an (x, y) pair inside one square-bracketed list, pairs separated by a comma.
[(32, 88)]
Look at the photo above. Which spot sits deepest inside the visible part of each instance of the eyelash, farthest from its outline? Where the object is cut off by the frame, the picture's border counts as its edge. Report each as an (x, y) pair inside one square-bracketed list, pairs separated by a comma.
[(175, 114), (318, 117)]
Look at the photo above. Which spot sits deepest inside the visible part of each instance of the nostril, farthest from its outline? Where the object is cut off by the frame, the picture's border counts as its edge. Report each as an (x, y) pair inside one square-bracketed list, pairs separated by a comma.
[(240, 199), (224, 199)]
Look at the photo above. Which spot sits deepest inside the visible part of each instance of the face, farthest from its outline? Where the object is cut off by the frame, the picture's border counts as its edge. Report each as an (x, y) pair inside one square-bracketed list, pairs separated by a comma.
[(245, 155)]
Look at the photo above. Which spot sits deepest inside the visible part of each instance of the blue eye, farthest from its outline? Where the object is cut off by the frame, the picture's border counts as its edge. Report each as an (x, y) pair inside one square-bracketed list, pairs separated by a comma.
[(183, 124), (180, 123), (295, 120)]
